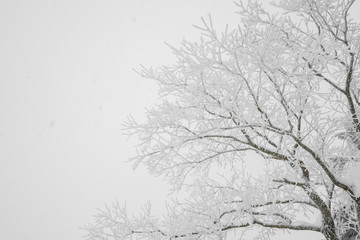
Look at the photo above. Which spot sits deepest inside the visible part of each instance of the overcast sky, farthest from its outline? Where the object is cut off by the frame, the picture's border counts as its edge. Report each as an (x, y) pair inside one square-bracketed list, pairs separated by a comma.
[(66, 87)]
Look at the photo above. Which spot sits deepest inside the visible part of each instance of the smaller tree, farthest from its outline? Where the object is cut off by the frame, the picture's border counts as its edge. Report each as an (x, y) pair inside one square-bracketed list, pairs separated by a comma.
[(283, 87)]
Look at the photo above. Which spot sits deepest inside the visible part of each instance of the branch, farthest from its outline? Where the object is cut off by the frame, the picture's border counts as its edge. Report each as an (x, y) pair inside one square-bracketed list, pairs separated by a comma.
[(289, 227), (323, 166)]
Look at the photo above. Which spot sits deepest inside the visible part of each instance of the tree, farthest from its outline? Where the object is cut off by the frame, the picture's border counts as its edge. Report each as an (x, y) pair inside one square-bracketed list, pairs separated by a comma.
[(282, 86)]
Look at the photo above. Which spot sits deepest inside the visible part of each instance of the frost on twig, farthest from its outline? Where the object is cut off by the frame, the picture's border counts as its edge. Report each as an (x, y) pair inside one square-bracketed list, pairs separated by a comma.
[(282, 87)]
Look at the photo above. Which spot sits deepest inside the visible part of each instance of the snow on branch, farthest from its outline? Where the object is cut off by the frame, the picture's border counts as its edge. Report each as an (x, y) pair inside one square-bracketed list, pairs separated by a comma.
[(279, 92)]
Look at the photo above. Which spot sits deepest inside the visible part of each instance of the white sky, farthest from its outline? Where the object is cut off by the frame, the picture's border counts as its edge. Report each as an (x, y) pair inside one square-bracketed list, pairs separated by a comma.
[(66, 87)]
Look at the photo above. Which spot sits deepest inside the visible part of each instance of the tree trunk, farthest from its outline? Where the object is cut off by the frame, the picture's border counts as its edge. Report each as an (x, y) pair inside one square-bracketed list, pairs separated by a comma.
[(353, 232), (357, 206), (329, 229)]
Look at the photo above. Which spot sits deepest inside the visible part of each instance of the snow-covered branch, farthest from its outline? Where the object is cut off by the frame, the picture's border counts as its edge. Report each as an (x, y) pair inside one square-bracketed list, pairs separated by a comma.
[(282, 88)]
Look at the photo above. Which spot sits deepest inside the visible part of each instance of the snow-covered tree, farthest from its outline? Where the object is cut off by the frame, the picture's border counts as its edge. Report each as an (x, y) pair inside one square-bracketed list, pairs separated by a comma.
[(284, 87)]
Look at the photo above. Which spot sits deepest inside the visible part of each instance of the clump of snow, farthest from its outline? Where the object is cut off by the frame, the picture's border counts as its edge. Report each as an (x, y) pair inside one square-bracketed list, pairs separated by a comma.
[(299, 223), (248, 220), (318, 221), (352, 176)]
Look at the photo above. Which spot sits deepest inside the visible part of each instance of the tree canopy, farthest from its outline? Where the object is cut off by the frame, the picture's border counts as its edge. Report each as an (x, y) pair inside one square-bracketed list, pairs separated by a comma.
[(282, 86)]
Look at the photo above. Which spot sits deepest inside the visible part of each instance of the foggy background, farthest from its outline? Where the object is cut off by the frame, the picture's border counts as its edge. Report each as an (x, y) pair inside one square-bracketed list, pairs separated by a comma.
[(66, 87)]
